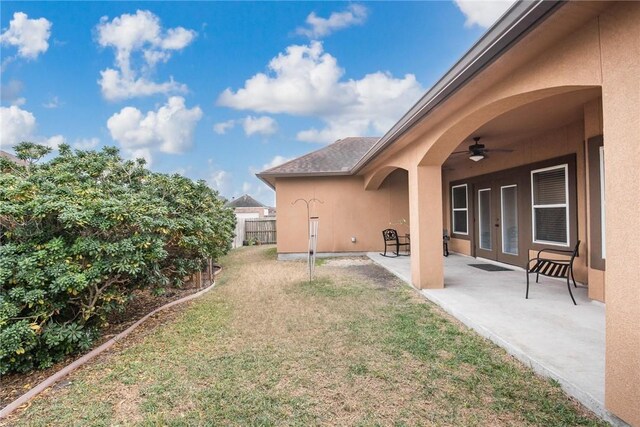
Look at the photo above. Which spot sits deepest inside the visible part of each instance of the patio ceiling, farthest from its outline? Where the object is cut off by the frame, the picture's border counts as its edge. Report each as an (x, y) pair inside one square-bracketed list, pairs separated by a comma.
[(507, 130)]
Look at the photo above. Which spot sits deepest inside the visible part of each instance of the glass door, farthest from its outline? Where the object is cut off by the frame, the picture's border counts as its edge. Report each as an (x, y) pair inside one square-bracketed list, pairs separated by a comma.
[(498, 218), (485, 215), (509, 216), (509, 230)]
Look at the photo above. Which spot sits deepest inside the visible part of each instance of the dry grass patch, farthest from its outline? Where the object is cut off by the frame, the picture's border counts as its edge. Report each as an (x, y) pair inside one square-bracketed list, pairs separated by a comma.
[(267, 347)]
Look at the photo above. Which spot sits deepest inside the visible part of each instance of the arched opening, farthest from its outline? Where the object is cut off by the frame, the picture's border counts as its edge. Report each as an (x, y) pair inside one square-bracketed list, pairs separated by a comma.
[(533, 183), (375, 179), (396, 185)]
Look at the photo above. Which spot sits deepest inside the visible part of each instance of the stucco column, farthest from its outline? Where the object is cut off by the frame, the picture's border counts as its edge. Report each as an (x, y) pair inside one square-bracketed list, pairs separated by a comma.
[(620, 30), (425, 210)]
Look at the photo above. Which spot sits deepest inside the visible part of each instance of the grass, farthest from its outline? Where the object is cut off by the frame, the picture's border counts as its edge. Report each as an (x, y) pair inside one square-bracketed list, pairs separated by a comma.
[(267, 347)]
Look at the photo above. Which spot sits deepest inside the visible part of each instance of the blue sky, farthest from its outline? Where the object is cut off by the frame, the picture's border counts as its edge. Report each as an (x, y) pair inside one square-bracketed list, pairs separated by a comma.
[(221, 90)]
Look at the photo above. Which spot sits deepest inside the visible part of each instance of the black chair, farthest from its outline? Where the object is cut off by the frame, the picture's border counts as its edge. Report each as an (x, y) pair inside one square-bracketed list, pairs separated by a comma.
[(445, 242), (550, 267), (391, 238)]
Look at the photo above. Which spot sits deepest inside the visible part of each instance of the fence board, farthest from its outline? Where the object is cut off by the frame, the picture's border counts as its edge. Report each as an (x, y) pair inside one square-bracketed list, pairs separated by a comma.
[(239, 233), (262, 230)]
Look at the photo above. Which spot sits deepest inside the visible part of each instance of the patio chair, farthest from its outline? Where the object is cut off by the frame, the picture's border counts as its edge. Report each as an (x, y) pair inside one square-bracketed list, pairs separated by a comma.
[(560, 268), (445, 242), (391, 239)]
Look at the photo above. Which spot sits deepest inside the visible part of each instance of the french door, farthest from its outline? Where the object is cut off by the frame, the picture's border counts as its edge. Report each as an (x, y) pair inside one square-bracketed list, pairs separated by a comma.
[(498, 208)]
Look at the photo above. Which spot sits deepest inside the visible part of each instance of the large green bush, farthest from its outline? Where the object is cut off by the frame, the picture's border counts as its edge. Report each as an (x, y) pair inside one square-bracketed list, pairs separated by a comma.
[(78, 233)]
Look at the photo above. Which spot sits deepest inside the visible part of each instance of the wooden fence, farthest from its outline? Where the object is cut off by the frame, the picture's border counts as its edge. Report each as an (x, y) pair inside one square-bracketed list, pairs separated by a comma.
[(261, 230), (239, 233)]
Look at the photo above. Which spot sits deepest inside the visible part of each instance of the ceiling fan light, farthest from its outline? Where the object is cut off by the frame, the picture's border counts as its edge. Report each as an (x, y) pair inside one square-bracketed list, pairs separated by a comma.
[(476, 157)]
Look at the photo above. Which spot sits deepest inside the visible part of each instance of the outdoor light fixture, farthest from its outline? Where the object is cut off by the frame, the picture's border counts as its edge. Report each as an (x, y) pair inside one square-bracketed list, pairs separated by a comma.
[(476, 157)]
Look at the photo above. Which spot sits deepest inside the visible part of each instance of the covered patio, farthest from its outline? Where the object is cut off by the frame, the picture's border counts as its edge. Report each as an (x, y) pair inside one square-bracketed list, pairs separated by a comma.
[(547, 332)]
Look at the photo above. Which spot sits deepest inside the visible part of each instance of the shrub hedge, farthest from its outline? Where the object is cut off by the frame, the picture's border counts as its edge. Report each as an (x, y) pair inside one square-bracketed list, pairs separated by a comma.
[(79, 233)]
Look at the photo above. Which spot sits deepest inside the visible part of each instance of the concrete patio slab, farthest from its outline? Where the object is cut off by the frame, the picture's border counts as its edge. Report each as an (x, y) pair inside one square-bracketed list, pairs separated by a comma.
[(546, 332)]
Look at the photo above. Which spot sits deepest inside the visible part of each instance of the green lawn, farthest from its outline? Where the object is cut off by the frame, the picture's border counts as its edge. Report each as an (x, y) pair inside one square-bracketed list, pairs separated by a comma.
[(353, 347)]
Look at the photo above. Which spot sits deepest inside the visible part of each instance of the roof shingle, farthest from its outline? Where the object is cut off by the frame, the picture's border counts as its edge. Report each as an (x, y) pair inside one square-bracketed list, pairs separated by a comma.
[(244, 201), (341, 156)]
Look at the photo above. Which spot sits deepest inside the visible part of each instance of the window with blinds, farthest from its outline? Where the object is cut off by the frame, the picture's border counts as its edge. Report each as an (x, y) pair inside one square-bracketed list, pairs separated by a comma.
[(550, 205), (459, 208)]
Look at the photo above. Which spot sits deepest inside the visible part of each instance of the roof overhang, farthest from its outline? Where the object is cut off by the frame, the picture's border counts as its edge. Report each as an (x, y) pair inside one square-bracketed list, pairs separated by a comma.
[(270, 179), (518, 21)]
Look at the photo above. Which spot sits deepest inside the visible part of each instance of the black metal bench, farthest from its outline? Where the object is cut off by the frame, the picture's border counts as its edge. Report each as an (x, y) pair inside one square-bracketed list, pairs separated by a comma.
[(560, 268), (391, 239)]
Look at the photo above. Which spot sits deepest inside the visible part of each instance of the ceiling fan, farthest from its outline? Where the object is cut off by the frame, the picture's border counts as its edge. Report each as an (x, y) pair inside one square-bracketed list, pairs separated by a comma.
[(478, 151)]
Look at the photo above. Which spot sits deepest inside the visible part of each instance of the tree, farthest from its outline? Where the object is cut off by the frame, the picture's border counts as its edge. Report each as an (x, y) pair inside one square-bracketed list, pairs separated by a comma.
[(80, 232)]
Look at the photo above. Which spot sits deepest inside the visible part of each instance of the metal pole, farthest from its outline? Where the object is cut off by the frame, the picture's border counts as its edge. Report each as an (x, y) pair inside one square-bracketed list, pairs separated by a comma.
[(313, 235)]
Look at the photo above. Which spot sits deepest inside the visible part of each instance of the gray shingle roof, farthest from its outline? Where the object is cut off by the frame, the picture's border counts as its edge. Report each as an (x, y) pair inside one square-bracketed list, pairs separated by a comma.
[(13, 158), (245, 201), (341, 156)]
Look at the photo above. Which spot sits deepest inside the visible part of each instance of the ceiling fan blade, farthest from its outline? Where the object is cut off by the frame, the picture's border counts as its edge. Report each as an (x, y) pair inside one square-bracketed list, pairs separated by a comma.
[(499, 150), (460, 152)]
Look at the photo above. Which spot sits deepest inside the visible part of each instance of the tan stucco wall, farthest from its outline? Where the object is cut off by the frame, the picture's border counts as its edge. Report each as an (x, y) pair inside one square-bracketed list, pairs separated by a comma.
[(460, 246), (620, 38), (348, 211), (592, 127)]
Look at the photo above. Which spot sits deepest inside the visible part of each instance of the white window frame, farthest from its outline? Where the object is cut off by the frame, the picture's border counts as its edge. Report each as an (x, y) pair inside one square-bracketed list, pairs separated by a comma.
[(480, 221), (454, 209), (557, 205), (602, 203), (502, 219)]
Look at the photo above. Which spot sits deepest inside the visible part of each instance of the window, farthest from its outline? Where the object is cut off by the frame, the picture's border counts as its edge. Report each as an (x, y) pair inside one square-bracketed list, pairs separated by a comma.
[(550, 208), (459, 209)]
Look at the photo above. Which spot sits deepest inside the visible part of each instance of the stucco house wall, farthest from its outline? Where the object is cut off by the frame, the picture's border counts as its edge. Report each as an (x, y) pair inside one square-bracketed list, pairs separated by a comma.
[(347, 211)]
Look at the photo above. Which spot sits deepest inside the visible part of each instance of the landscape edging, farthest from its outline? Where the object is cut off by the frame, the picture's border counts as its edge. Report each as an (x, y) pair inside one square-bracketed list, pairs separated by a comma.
[(50, 381)]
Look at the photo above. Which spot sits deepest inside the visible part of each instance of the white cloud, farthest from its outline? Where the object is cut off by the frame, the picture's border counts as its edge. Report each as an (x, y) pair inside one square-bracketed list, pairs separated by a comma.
[(306, 81), (86, 143), (169, 130), (264, 125), (116, 87), (17, 125), (143, 34), (220, 180), (259, 191), (30, 36), (54, 102), (318, 27), (10, 93), (139, 153), (222, 127), (19, 101), (483, 12), (55, 141)]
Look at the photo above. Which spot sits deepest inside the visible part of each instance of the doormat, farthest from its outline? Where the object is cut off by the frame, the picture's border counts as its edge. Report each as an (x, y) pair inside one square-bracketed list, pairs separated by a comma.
[(490, 267)]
